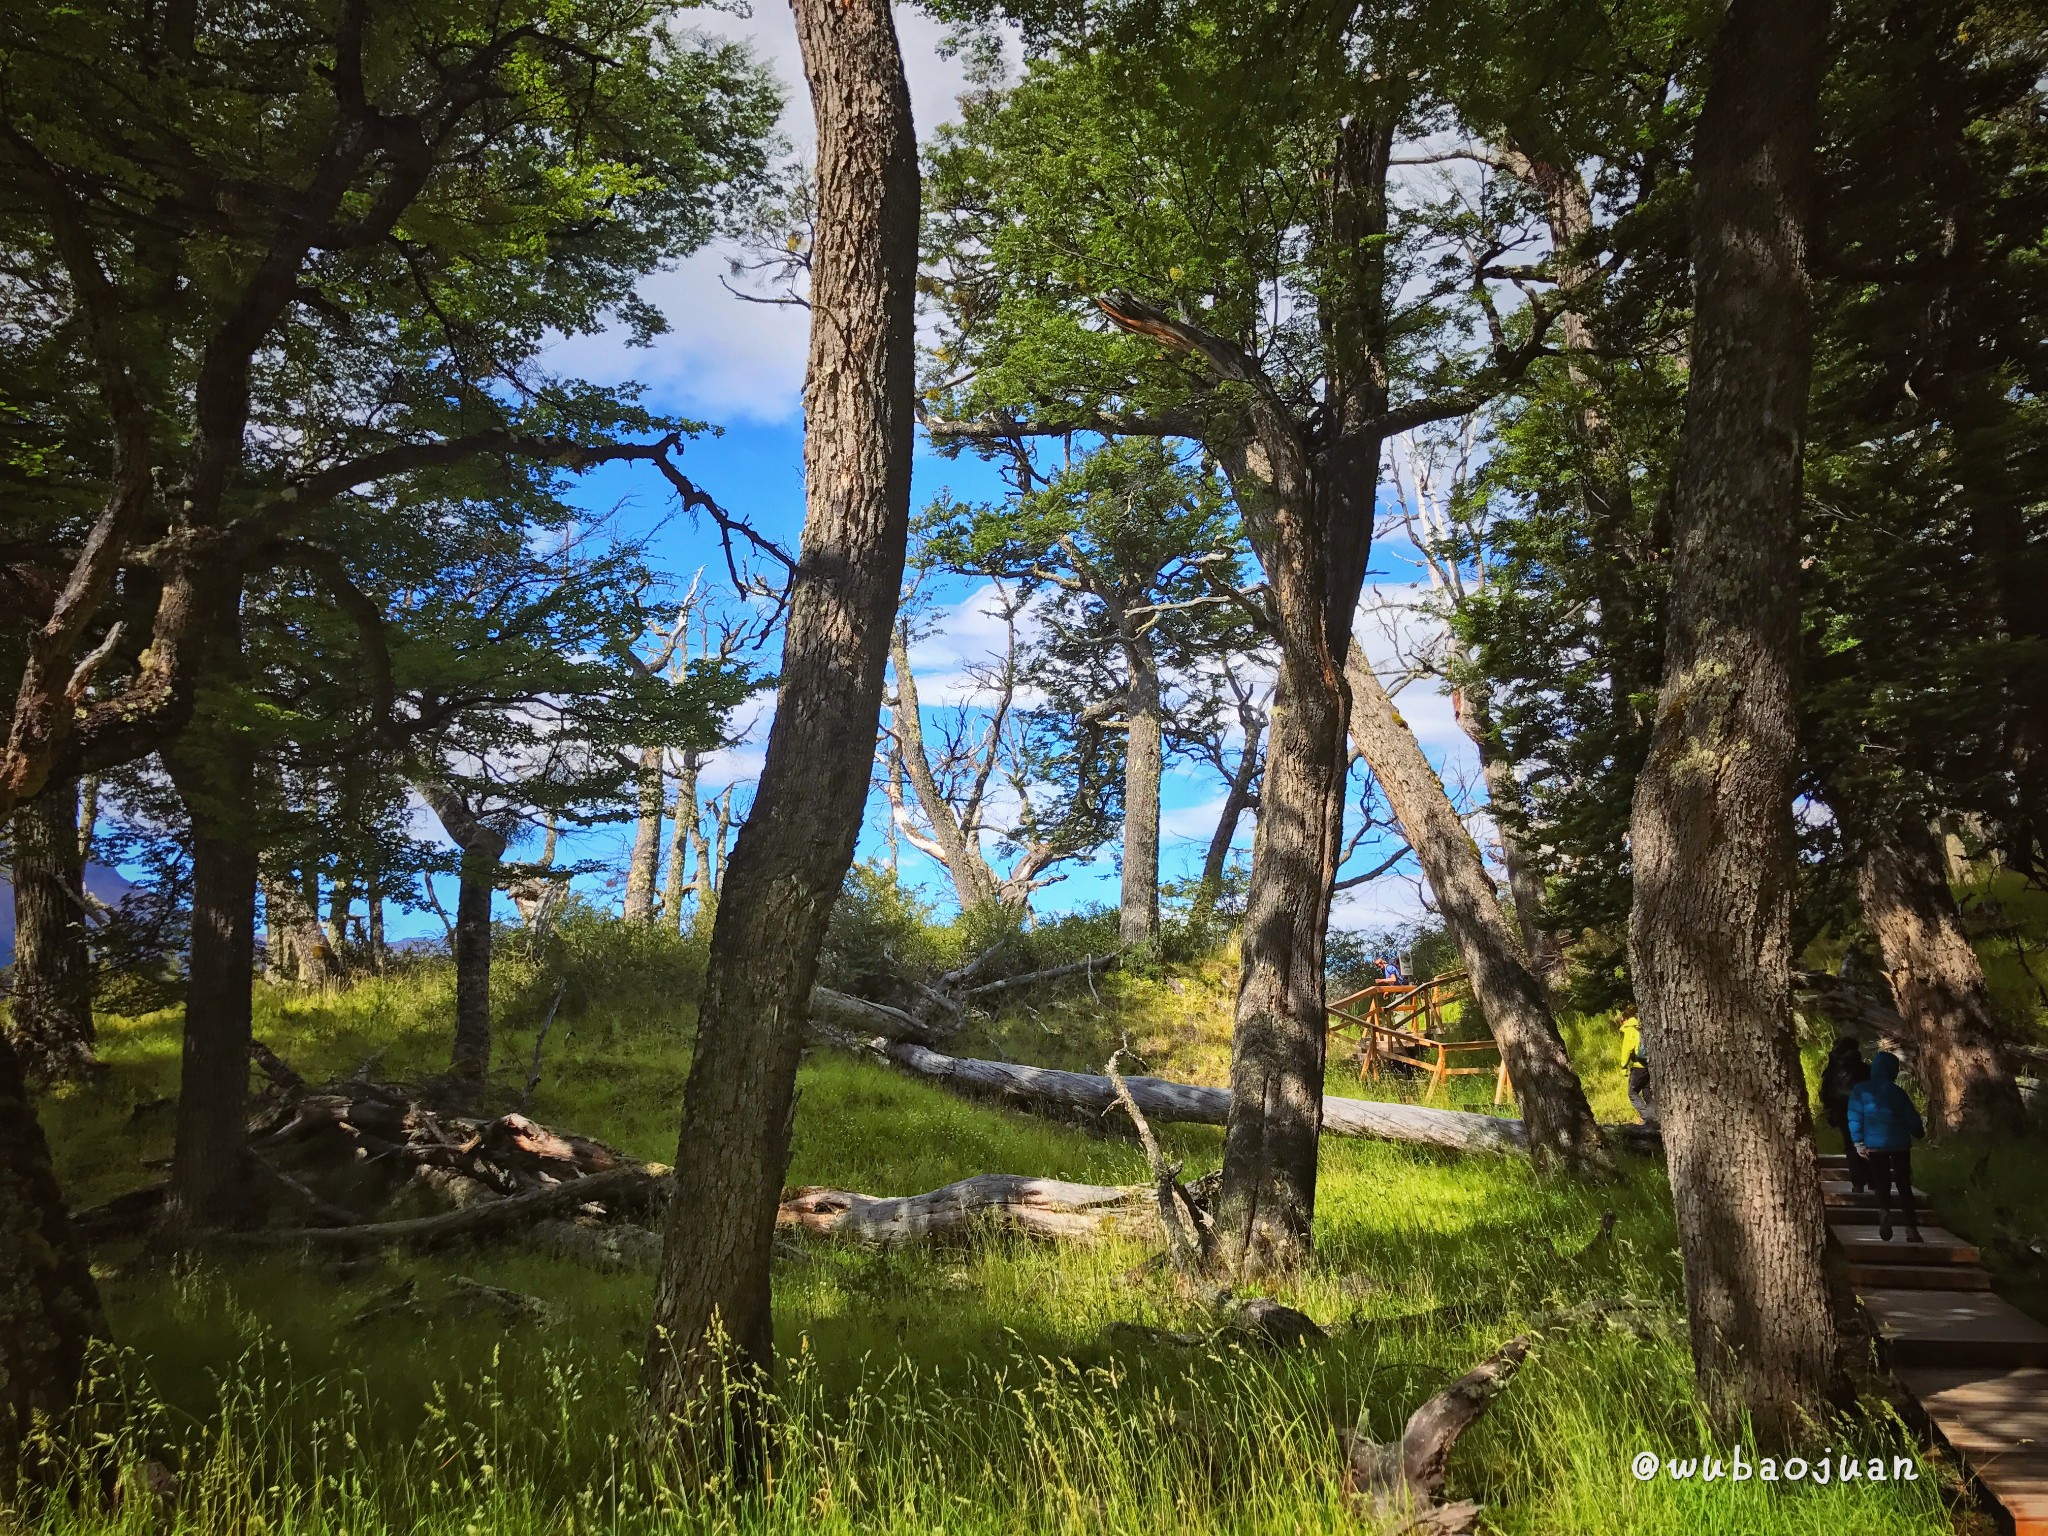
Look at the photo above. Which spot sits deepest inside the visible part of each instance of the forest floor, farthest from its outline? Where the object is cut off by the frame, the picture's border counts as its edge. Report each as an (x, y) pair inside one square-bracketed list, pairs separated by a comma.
[(997, 1386)]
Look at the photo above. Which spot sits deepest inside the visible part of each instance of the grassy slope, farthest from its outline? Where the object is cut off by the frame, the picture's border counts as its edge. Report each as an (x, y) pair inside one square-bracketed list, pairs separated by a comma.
[(972, 1389)]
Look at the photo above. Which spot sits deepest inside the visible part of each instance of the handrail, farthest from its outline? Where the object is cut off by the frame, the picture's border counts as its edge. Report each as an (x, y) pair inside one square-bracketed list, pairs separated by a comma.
[(1381, 1041)]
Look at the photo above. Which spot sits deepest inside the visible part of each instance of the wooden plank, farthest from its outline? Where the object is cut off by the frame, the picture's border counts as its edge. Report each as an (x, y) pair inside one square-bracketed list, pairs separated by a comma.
[(1848, 1196), (1998, 1421), (1861, 1243), (1956, 1328), (1919, 1277)]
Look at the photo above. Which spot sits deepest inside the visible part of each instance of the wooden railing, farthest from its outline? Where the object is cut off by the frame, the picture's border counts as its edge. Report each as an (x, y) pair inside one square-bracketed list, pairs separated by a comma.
[(1398, 1024)]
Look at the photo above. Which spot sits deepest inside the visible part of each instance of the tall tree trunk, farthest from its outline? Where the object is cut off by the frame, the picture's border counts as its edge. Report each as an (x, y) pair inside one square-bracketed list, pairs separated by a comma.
[(1309, 510), (1711, 835), (643, 874), (483, 849), (1562, 1131), (684, 824), (279, 930), (52, 1014), (702, 881), (373, 921), (1937, 983), (49, 1307), (317, 963), (1138, 908), (1504, 795), (797, 844), (209, 1157)]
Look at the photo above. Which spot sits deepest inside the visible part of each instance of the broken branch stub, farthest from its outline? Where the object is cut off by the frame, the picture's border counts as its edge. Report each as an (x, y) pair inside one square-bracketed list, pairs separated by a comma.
[(1407, 1478)]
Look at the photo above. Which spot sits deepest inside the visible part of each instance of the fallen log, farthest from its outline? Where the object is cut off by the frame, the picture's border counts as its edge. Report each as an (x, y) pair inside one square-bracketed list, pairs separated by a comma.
[(1035, 1207), (1163, 1100), (838, 1011)]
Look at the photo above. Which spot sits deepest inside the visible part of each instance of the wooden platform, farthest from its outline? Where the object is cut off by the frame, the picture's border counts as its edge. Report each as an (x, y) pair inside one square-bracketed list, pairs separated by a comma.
[(1998, 1420), (1976, 1363)]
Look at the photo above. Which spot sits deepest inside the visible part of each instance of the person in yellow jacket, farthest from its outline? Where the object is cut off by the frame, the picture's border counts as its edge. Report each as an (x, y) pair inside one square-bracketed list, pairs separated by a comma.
[(1639, 1092)]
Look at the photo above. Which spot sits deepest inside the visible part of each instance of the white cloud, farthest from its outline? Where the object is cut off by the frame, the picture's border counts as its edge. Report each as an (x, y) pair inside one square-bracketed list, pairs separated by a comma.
[(724, 358)]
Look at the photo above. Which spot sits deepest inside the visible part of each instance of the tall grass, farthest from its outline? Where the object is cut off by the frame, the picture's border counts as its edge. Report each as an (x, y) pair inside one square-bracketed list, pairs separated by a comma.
[(991, 1386)]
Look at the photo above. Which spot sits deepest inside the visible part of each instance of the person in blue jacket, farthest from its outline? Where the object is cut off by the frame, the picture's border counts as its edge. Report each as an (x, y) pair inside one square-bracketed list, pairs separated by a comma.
[(1883, 1125)]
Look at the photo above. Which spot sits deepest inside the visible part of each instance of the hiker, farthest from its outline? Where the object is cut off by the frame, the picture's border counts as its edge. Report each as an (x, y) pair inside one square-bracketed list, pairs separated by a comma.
[(1390, 972), (1883, 1125), (1638, 1070), (1844, 1070)]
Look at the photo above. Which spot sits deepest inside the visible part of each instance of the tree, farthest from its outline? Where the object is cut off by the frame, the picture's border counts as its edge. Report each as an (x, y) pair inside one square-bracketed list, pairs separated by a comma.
[(712, 1319), (1087, 288), (1562, 1131), (1130, 555), (1710, 936), (50, 1019), (220, 217), (1059, 815), (49, 1306)]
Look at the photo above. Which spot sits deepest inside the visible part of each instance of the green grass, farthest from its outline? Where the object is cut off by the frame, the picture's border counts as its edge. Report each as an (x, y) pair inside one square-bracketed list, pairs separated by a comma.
[(976, 1388)]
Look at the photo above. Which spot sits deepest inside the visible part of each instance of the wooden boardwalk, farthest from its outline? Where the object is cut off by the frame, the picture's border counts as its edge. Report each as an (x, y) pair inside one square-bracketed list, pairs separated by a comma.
[(1977, 1364)]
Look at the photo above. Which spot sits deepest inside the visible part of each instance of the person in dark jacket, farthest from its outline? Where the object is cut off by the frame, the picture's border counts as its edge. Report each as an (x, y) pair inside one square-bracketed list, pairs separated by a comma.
[(1844, 1070), (1883, 1124)]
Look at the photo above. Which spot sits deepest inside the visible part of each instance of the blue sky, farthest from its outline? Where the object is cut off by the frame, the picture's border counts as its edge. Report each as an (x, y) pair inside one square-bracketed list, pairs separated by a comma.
[(740, 365)]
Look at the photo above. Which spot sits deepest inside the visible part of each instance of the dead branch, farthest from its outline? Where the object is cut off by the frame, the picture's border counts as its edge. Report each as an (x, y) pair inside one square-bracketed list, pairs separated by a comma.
[(1092, 964), (635, 1187), (1407, 1478), (1188, 1237)]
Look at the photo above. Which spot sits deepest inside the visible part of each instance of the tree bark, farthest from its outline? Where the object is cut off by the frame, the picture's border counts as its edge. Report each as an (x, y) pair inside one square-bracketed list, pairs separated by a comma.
[(1309, 510), (1562, 1131), (1711, 834), (643, 874), (712, 1322), (209, 1178), (1138, 906), (51, 1028), (483, 848), (1937, 983), (49, 1307)]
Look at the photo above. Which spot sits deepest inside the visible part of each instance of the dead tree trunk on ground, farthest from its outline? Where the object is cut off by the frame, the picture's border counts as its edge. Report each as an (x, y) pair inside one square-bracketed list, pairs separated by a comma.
[(49, 1307), (51, 1025), (1562, 1131), (1711, 835), (1937, 983), (797, 844), (1453, 1130)]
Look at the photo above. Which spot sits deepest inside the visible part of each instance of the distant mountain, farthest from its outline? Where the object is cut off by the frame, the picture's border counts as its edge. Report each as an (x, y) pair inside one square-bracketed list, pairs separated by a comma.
[(105, 884)]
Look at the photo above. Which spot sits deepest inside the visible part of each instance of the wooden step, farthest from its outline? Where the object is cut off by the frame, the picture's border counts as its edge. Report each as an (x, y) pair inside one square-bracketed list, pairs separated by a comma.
[(1862, 1245), (1998, 1421), (1952, 1329), (1829, 1160), (1919, 1277), (1843, 1193)]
